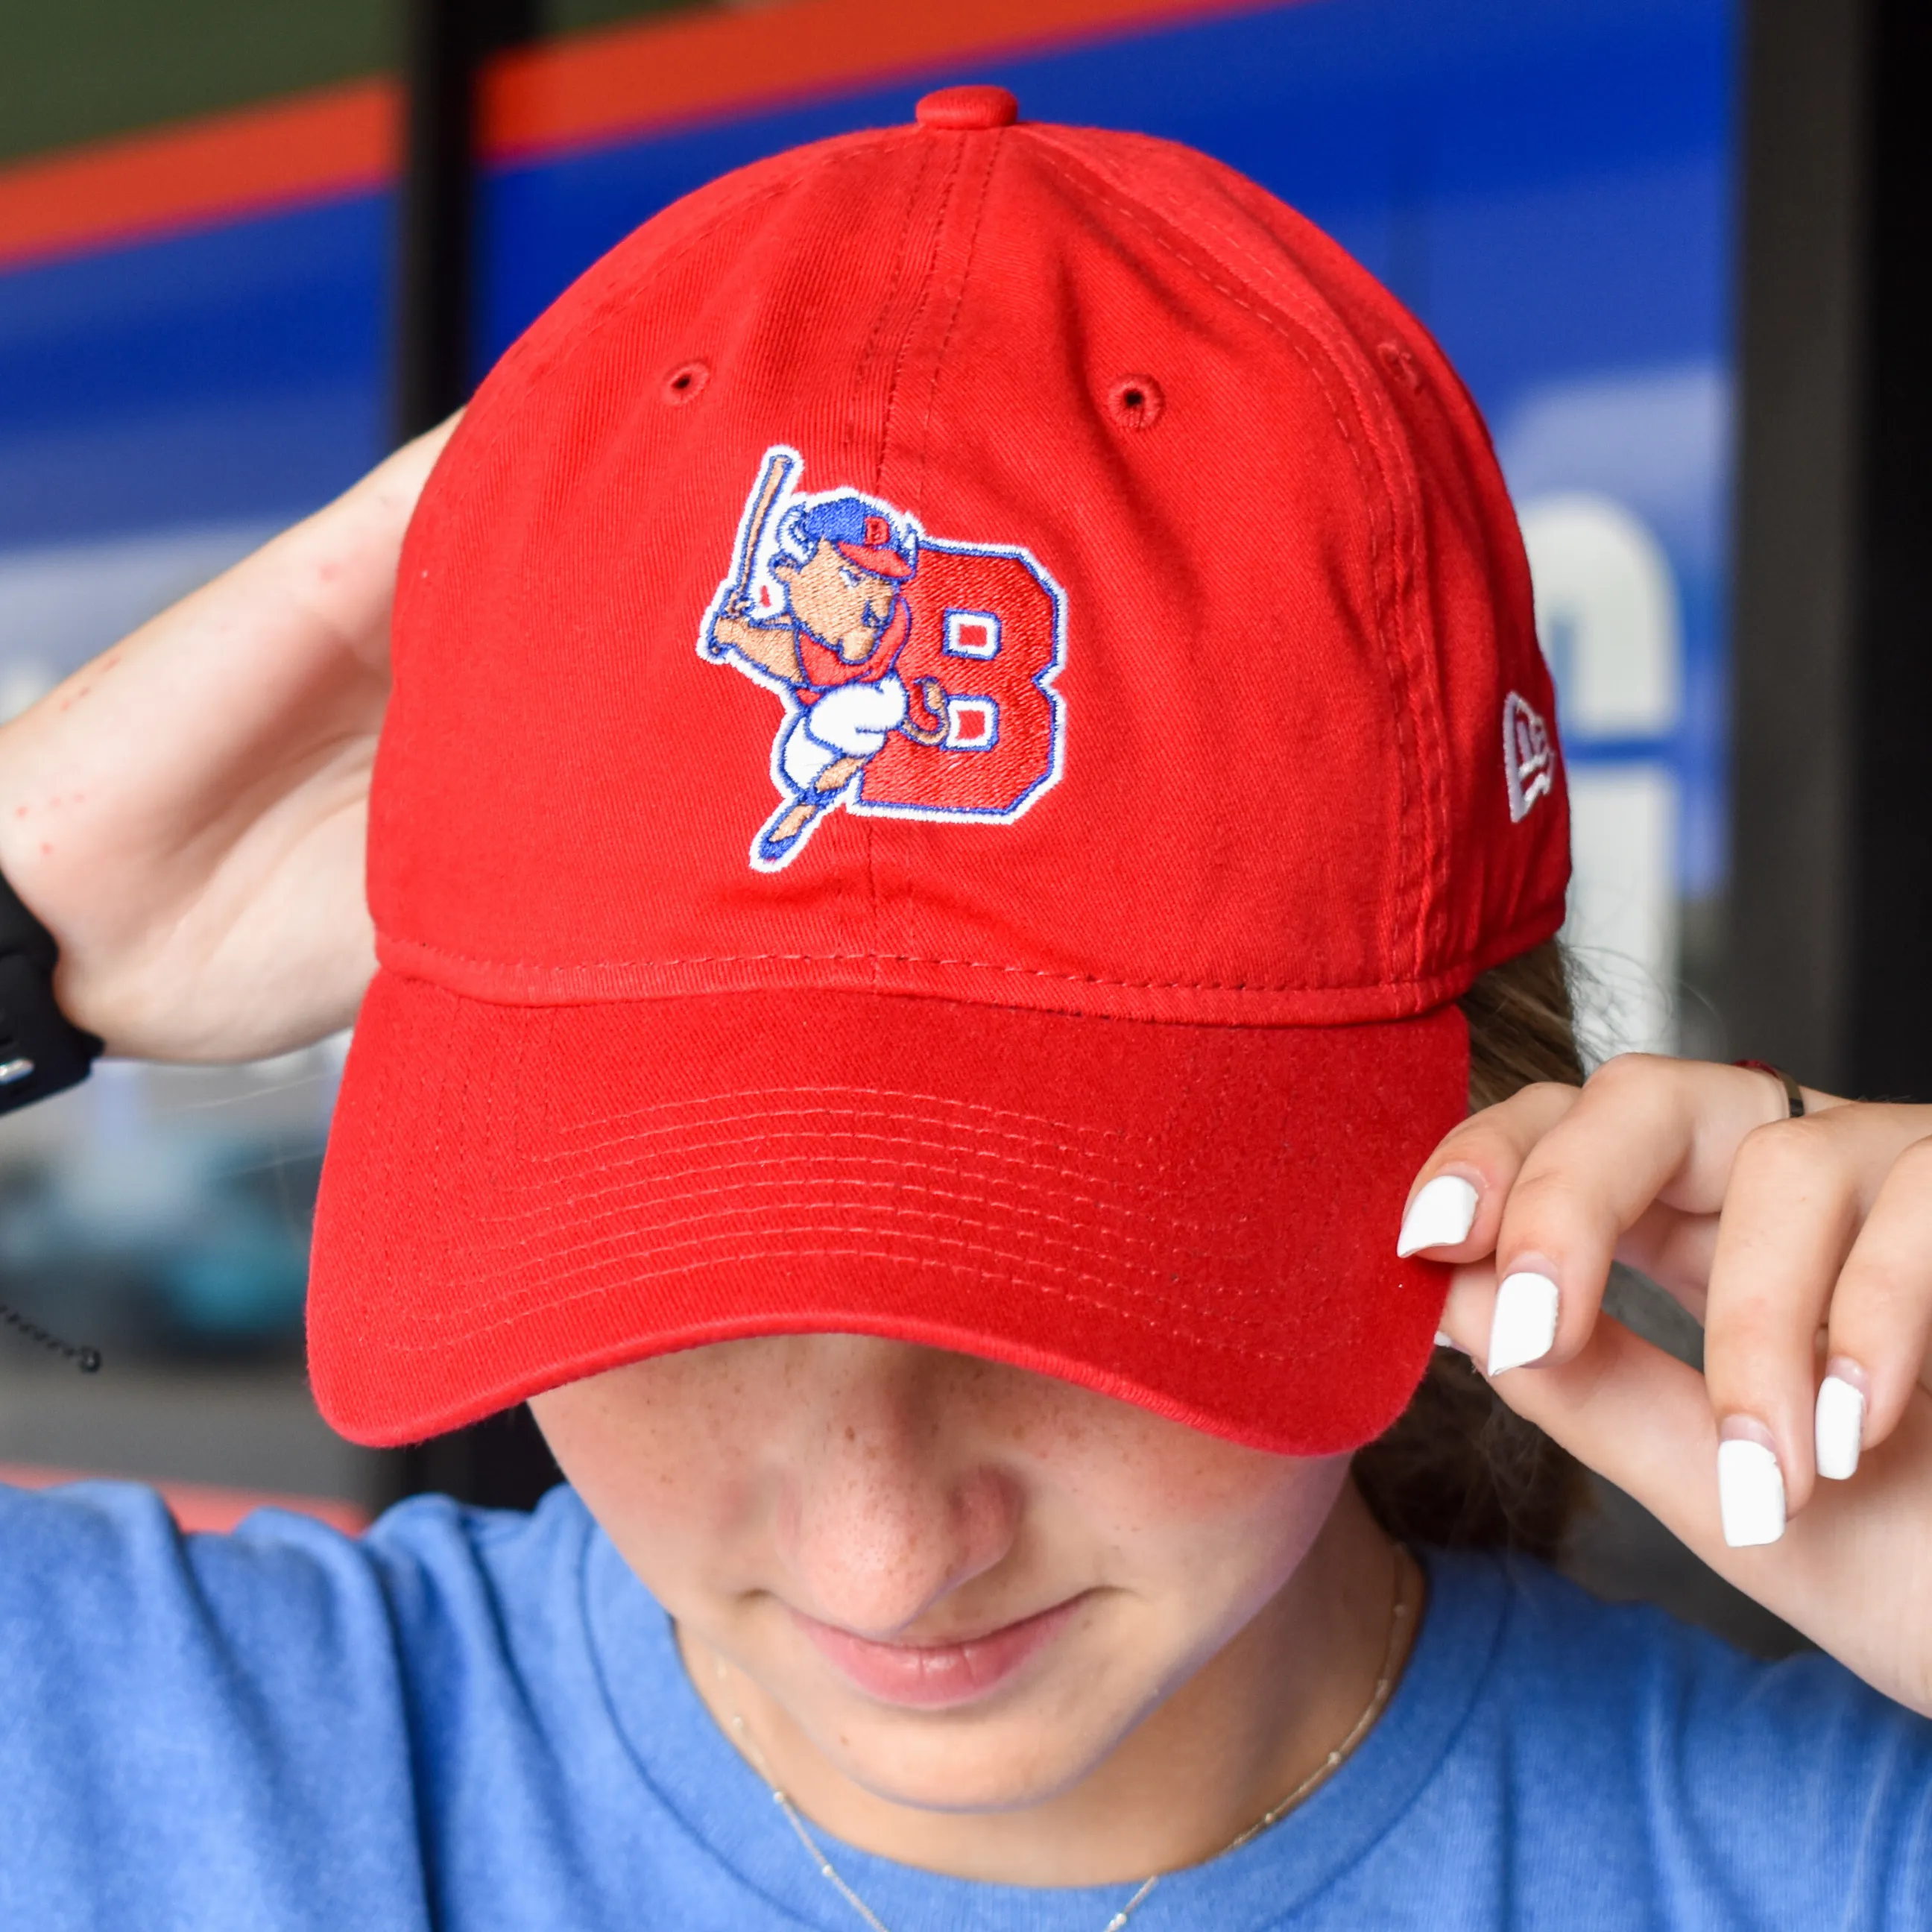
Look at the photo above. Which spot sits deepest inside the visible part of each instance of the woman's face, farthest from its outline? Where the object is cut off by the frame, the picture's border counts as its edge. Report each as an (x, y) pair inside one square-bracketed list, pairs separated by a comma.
[(963, 1584)]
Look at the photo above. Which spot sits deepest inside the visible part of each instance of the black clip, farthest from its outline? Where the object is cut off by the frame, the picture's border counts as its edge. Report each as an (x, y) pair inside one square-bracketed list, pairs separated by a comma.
[(42, 1051)]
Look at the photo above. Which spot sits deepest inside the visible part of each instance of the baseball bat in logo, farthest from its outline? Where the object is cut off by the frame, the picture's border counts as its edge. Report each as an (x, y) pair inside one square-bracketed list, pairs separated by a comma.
[(774, 477), (915, 672)]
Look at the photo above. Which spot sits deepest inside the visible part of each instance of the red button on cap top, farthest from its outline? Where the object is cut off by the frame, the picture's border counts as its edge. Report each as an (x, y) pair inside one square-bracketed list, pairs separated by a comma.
[(965, 107)]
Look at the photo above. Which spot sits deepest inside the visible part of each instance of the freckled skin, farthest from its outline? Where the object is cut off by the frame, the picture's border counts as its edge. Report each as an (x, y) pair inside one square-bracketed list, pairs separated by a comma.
[(1229, 1608)]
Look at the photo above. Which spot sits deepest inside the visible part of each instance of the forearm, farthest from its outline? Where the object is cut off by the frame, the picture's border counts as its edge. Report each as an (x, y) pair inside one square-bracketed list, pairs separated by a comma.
[(185, 814)]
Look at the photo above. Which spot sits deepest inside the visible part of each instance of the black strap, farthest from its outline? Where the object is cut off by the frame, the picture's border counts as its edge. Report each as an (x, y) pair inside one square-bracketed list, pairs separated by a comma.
[(42, 1051)]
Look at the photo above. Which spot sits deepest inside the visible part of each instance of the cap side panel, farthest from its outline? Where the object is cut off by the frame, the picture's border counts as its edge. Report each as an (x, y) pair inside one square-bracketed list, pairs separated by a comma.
[(1492, 872), (501, 556), (609, 284), (1195, 223), (1471, 628), (1510, 875), (572, 324)]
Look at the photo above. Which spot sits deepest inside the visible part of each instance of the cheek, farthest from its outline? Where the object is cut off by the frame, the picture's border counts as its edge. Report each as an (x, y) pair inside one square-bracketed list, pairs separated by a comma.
[(655, 1452), (1171, 1501)]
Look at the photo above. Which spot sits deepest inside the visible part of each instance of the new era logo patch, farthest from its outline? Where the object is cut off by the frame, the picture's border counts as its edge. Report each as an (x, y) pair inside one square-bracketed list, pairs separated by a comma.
[(1529, 764)]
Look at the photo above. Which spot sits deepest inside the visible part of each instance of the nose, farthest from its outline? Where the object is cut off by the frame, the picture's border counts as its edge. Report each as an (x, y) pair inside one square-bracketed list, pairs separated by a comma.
[(888, 1511)]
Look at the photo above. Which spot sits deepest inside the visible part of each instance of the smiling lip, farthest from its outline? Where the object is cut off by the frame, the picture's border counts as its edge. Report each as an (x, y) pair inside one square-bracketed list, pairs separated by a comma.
[(936, 1676)]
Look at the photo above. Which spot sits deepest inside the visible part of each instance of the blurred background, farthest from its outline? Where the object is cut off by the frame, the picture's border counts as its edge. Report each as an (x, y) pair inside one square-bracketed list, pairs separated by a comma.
[(1675, 246)]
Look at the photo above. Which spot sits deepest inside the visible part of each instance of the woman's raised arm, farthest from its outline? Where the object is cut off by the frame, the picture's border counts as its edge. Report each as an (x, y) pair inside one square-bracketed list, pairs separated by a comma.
[(186, 814)]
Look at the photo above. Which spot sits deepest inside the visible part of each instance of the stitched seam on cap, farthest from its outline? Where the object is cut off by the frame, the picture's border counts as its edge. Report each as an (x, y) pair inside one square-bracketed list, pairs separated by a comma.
[(1068, 1128), (546, 1302), (694, 1140), (697, 1142), (848, 458), (513, 1253), (952, 320), (620, 1181), (874, 336), (938, 233), (919, 959)]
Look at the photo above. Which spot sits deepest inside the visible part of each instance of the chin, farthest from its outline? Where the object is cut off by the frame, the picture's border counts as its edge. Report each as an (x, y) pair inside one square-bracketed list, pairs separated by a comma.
[(1005, 1763)]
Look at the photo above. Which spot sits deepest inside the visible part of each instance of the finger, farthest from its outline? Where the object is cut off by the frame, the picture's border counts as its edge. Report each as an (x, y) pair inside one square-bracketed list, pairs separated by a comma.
[(1642, 1419), (1455, 1203), (1466, 1313), (1880, 1328), (1645, 1130), (1632, 1413), (1788, 1222), (1673, 1249), (1799, 1190), (1850, 1576)]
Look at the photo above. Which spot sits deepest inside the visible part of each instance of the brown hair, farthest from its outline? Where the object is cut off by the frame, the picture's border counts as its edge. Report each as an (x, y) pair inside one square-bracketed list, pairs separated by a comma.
[(1459, 1469)]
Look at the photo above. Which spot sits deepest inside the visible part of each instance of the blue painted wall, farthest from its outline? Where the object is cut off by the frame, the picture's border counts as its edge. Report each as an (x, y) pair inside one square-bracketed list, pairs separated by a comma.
[(228, 375)]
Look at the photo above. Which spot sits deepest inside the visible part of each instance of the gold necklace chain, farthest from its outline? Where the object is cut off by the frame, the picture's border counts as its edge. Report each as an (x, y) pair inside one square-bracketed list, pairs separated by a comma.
[(1399, 1610)]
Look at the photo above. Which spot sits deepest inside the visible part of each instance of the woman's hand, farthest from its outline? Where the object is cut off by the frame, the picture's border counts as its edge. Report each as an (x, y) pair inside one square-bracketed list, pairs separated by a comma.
[(187, 813), (1805, 1248)]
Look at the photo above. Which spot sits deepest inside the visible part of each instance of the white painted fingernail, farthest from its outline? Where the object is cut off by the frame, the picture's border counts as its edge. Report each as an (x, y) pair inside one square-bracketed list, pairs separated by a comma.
[(1750, 1493), (1840, 1427), (1524, 1325), (1442, 1215)]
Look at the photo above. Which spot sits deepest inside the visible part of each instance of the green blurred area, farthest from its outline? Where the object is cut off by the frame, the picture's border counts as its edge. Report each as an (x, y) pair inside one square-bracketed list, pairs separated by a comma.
[(73, 70)]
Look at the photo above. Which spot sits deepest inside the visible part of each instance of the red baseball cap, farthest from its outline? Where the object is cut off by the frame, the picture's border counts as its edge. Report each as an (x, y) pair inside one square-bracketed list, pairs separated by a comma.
[(1050, 953)]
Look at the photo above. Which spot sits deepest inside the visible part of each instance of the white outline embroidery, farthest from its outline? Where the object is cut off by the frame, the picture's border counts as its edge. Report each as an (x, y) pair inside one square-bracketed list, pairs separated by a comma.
[(987, 622), (769, 528), (986, 710)]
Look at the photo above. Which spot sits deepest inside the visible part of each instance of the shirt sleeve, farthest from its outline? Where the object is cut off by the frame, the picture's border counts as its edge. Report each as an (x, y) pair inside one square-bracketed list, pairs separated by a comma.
[(198, 1731), (1723, 1790)]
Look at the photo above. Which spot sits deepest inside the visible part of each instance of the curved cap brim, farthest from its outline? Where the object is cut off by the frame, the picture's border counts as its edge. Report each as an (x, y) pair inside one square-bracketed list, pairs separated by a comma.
[(1200, 1219)]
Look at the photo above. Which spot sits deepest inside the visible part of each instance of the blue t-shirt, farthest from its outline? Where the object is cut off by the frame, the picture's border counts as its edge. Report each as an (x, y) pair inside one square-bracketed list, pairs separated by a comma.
[(477, 1721)]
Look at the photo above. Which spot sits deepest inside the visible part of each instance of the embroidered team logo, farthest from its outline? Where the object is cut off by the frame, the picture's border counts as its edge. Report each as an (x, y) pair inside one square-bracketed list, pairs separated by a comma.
[(1529, 765), (915, 672)]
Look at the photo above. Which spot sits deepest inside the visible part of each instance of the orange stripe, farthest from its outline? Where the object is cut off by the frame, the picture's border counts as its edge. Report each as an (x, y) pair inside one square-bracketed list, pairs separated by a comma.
[(623, 78), (201, 1506), (347, 139), (339, 140)]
